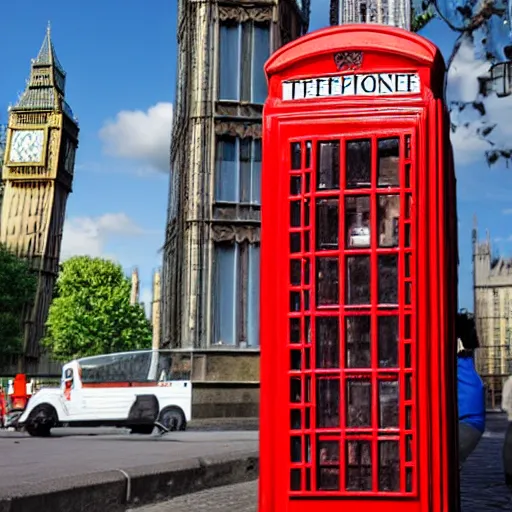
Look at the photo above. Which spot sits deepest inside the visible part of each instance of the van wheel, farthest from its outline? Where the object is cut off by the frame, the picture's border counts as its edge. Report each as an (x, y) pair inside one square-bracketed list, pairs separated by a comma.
[(173, 419), (41, 420)]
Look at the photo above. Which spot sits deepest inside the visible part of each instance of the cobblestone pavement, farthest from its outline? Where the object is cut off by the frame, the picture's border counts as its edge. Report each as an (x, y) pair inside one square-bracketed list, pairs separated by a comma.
[(482, 487)]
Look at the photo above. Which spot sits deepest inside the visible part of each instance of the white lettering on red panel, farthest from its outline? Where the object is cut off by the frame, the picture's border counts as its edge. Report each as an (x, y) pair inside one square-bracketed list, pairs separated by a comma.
[(374, 84)]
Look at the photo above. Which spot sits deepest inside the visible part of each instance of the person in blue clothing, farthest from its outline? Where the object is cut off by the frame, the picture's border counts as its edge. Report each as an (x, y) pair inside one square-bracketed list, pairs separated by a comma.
[(470, 388)]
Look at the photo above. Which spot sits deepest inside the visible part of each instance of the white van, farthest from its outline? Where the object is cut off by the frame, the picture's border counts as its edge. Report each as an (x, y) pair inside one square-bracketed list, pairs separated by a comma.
[(129, 389)]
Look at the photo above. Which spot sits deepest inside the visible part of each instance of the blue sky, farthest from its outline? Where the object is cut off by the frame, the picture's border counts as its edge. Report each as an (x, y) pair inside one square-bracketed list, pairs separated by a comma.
[(120, 62)]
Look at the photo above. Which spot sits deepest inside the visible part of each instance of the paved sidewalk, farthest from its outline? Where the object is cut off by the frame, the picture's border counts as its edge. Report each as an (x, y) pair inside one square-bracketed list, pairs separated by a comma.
[(482, 488)]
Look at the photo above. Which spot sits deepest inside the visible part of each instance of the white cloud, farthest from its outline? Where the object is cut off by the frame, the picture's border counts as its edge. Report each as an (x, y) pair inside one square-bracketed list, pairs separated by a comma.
[(141, 136), (507, 211), (88, 236)]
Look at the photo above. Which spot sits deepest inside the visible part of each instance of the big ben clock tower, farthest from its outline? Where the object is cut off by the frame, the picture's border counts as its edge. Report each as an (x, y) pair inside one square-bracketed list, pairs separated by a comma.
[(42, 137)]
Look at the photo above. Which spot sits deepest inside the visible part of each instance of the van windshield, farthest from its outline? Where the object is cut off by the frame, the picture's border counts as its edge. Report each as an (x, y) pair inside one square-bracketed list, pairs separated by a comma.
[(139, 366)]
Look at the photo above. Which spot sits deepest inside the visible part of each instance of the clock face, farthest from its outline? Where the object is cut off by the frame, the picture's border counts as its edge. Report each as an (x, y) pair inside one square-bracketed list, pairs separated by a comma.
[(27, 146)]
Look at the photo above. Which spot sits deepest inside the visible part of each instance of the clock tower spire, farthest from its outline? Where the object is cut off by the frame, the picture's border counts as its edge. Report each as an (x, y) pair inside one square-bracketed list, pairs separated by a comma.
[(42, 138)]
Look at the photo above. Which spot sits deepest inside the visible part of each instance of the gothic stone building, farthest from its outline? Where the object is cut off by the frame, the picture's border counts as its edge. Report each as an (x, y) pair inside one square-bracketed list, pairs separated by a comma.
[(493, 316), (42, 137), (210, 281), (388, 12)]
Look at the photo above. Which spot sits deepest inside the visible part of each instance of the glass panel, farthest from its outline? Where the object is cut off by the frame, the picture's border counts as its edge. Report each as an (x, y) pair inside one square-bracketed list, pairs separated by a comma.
[(407, 146), (245, 64), (389, 466), (357, 221), (296, 449), (408, 386), (295, 419), (408, 448), (327, 342), (306, 241), (295, 219), (307, 208), (226, 170), (328, 403), (296, 153), (389, 162), (388, 404), (308, 154), (407, 327), (407, 264), (358, 164), (358, 342), (408, 206), (295, 479), (328, 453), (358, 280), (408, 417), (408, 292), (295, 272), (295, 185), (408, 356), (407, 229), (328, 460), (228, 62), (408, 479), (294, 330), (307, 448), (225, 293), (329, 479), (327, 292), (295, 391), (388, 279), (261, 53), (253, 297), (328, 166), (307, 271), (308, 183), (307, 329), (327, 217), (245, 170), (388, 215), (359, 466), (256, 172), (308, 479), (359, 403), (295, 359), (294, 242), (294, 301), (388, 341), (408, 175)]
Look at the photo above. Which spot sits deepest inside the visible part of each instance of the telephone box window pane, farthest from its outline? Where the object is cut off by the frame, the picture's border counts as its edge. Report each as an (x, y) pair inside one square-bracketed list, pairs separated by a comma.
[(294, 242), (295, 360), (308, 183), (295, 391), (358, 280), (295, 272), (359, 403), (296, 155), (389, 466), (359, 466), (327, 270), (328, 167), (408, 356), (388, 341), (295, 214), (357, 221), (327, 218), (328, 462), (295, 301), (295, 185), (358, 163), (388, 404), (327, 342), (358, 342), (389, 162), (328, 403), (295, 419), (296, 449), (408, 479), (294, 330), (295, 479), (388, 214), (308, 154), (388, 279)]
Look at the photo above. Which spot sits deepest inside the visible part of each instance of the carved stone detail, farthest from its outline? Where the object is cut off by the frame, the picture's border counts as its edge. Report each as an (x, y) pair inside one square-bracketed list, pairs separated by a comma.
[(247, 110), (238, 129), (230, 233), (346, 61), (241, 14)]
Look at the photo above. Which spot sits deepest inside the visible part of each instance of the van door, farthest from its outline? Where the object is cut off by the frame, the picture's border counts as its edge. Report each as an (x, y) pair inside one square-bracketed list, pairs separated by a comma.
[(71, 386)]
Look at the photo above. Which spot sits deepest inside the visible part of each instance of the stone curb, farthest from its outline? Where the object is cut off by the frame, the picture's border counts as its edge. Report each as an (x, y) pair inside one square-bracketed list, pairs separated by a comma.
[(116, 490)]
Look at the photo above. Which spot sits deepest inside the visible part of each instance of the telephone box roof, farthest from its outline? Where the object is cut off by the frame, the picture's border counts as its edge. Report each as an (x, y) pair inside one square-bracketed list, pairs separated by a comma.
[(360, 36)]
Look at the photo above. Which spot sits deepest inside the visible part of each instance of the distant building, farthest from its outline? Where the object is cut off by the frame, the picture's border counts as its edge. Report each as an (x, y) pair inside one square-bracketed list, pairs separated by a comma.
[(387, 12), (210, 275), (38, 167), (493, 315)]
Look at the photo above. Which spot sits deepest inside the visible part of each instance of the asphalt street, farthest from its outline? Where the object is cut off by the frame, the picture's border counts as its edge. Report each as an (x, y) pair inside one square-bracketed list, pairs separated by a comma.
[(74, 452), (482, 486)]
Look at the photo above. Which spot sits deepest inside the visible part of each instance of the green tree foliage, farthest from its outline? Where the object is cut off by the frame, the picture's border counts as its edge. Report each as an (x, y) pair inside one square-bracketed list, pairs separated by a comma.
[(17, 288), (421, 19), (91, 313)]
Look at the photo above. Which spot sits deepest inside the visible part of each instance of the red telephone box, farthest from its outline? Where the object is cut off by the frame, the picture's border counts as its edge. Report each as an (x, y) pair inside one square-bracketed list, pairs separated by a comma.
[(358, 277)]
